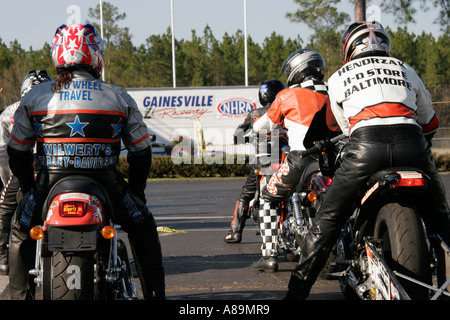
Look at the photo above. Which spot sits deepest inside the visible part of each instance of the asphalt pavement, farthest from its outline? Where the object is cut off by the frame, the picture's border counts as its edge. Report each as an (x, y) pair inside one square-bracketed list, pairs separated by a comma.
[(194, 215), (198, 263)]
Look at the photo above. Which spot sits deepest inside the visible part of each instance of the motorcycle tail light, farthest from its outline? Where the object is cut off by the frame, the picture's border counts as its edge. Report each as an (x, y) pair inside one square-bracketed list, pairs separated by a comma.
[(312, 196), (328, 181), (419, 182), (72, 209)]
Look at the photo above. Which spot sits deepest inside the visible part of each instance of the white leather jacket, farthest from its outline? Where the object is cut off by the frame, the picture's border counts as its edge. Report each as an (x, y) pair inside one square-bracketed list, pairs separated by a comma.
[(6, 124), (380, 91)]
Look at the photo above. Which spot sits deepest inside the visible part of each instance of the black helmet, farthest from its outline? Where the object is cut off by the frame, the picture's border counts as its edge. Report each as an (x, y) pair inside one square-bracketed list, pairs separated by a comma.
[(268, 91), (364, 38), (33, 78), (302, 63)]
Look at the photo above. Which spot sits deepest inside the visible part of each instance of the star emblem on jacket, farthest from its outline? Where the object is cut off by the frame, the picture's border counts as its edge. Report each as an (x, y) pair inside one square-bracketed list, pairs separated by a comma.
[(77, 127), (117, 128), (38, 128)]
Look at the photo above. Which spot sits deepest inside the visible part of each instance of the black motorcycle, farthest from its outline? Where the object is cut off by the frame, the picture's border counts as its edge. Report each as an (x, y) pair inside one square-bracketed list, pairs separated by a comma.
[(384, 251), (297, 211)]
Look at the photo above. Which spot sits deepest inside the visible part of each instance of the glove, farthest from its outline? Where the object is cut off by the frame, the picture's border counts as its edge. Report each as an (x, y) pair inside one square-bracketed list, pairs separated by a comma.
[(21, 164), (140, 163), (429, 137)]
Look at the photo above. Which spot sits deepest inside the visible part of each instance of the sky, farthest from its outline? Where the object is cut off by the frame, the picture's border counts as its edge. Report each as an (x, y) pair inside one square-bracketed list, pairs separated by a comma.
[(32, 23)]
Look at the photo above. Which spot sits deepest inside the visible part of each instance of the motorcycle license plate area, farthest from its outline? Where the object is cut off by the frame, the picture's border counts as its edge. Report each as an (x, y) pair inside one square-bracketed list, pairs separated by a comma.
[(385, 285), (79, 238)]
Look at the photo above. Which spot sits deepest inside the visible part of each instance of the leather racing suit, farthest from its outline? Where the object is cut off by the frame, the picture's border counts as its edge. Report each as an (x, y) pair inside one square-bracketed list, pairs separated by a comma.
[(8, 196), (78, 130), (263, 156), (384, 107), (295, 108)]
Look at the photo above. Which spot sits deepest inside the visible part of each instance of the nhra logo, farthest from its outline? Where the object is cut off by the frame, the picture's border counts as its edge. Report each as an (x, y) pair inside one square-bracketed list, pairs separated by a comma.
[(236, 107)]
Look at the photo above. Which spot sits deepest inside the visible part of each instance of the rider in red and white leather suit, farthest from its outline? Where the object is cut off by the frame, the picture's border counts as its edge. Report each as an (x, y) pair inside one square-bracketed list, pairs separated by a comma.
[(78, 123), (294, 108), (384, 107)]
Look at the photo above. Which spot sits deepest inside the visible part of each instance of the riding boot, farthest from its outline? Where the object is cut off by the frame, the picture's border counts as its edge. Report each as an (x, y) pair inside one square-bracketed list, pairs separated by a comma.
[(269, 223), (313, 258), (238, 223), (5, 229), (4, 244), (268, 264), (146, 249), (21, 259)]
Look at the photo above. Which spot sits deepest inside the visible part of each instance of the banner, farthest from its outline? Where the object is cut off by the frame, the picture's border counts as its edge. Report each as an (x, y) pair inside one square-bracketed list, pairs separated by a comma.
[(171, 113)]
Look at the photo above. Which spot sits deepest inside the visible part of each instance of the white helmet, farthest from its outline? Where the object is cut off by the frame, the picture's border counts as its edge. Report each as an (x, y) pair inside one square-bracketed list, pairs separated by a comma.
[(33, 78)]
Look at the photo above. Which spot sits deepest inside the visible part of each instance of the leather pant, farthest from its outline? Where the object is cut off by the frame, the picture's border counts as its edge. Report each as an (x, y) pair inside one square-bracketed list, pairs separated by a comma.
[(249, 187), (282, 183), (8, 204), (369, 149), (142, 233)]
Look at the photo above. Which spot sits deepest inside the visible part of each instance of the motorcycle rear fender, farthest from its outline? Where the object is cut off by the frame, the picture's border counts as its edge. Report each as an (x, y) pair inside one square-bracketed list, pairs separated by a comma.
[(78, 184), (308, 174), (381, 182), (380, 191), (92, 205)]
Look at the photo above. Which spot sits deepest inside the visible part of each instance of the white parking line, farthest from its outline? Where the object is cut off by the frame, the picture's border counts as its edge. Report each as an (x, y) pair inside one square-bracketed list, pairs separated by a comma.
[(191, 217)]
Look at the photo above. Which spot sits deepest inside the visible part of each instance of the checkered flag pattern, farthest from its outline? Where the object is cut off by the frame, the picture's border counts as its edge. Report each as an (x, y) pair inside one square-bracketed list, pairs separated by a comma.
[(268, 222), (315, 85)]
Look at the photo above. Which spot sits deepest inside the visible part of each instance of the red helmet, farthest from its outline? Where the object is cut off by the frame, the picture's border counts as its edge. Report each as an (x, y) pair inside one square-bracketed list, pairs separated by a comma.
[(78, 46), (364, 38)]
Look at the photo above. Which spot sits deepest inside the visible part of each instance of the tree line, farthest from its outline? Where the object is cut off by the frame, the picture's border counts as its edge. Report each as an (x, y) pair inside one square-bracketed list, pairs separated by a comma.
[(205, 60)]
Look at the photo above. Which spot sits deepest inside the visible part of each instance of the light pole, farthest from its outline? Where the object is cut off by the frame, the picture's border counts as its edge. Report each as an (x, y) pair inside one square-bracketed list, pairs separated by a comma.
[(245, 43), (101, 33), (173, 47)]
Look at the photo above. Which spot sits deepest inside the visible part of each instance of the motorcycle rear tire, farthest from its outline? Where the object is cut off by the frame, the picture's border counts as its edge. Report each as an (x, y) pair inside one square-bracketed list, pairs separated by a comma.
[(69, 276), (400, 230)]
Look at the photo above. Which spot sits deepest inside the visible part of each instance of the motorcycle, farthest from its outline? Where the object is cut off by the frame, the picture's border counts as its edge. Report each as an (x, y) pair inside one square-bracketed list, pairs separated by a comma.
[(297, 211), (384, 251), (79, 255)]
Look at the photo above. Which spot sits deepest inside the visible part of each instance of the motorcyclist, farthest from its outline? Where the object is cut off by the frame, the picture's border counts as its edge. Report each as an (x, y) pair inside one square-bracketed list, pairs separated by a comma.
[(76, 118), (266, 95), (295, 108), (8, 197), (383, 106)]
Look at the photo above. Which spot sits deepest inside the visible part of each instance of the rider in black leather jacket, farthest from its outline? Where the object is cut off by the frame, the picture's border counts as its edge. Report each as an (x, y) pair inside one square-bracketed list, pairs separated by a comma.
[(266, 94), (78, 123)]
